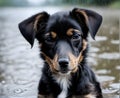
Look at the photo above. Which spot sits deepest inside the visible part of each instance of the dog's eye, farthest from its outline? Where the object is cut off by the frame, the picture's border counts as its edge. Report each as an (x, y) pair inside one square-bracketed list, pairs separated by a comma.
[(76, 36), (49, 40)]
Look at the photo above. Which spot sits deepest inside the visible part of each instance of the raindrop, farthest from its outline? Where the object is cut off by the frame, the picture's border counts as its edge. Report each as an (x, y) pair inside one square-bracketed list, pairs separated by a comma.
[(3, 82), (18, 91)]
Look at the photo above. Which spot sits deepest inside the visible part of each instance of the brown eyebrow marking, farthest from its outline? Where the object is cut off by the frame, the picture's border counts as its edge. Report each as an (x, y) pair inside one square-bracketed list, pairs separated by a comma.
[(47, 34), (54, 34), (70, 31)]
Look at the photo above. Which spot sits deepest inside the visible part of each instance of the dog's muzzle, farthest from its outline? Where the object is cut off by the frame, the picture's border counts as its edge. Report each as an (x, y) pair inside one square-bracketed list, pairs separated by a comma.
[(63, 65)]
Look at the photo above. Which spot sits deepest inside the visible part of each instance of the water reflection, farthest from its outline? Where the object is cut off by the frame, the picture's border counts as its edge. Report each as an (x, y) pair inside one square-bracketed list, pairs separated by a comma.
[(20, 66)]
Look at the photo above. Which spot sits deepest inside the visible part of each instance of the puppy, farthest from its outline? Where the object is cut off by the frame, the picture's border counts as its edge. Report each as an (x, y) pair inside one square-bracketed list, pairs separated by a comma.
[(63, 45)]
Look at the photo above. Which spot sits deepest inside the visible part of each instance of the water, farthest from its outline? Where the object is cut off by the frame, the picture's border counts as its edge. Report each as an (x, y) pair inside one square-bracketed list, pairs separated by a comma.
[(20, 66)]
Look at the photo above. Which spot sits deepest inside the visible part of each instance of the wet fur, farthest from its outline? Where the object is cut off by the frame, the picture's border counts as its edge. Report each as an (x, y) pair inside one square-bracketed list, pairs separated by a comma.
[(64, 35)]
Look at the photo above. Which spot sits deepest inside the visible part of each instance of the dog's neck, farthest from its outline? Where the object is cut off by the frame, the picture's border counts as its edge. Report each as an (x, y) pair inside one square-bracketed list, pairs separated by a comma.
[(64, 82)]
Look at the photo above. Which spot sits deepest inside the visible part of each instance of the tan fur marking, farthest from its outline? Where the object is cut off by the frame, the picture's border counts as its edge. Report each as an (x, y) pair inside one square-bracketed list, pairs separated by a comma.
[(85, 96), (41, 96), (80, 57), (75, 69), (84, 44), (36, 22), (70, 31), (45, 96), (77, 31), (52, 62), (54, 35), (74, 61), (84, 14), (89, 96)]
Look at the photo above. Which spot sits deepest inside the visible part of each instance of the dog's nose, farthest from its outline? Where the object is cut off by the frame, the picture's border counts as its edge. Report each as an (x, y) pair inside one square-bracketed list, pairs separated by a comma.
[(63, 63)]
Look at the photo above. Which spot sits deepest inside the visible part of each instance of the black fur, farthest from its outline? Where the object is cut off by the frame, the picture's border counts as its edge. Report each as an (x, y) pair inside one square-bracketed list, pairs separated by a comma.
[(83, 82), (58, 42)]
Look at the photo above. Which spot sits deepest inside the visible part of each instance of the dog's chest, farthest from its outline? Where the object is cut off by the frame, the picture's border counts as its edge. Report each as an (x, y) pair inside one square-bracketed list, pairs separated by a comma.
[(64, 83)]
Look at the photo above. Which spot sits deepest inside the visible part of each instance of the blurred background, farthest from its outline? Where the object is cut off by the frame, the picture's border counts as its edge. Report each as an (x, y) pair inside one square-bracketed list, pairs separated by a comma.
[(20, 66)]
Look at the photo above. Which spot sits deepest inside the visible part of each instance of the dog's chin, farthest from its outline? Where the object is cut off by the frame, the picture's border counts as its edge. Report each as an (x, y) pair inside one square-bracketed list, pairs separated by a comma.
[(64, 73)]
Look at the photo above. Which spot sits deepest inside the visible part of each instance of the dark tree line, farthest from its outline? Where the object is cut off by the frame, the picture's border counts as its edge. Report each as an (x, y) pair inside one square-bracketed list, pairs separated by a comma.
[(90, 2), (54, 2)]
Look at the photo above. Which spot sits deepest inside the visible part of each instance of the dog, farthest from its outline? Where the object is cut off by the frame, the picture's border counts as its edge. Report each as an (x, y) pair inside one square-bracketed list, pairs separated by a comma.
[(63, 42)]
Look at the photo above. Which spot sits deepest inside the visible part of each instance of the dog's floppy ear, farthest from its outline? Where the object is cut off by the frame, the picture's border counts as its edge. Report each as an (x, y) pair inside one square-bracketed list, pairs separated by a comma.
[(89, 19), (30, 27)]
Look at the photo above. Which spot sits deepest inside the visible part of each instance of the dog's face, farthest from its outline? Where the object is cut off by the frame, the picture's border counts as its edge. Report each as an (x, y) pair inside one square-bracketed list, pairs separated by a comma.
[(62, 36)]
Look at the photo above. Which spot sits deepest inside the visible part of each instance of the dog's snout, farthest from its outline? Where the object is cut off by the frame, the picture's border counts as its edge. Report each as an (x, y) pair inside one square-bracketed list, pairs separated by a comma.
[(63, 64)]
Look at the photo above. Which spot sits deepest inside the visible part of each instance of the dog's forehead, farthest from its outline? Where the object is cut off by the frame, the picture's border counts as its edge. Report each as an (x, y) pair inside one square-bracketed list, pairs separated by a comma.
[(60, 14), (61, 22)]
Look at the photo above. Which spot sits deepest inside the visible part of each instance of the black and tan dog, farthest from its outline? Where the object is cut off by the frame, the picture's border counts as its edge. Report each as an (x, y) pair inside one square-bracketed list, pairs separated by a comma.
[(63, 44)]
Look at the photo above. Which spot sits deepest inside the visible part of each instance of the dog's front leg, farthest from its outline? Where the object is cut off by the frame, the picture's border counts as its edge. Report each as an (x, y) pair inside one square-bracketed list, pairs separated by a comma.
[(89, 96), (45, 96), (85, 96), (42, 96)]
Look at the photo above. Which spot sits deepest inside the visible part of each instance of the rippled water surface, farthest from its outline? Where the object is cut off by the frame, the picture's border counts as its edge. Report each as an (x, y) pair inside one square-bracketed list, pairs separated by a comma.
[(20, 66)]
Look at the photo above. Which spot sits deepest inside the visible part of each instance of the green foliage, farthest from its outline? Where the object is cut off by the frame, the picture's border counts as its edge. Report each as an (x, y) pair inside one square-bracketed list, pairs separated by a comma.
[(4, 2), (115, 4), (13, 3)]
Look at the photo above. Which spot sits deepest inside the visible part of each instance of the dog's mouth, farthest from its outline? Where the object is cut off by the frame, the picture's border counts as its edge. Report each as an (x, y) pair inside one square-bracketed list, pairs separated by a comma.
[(68, 71), (64, 71)]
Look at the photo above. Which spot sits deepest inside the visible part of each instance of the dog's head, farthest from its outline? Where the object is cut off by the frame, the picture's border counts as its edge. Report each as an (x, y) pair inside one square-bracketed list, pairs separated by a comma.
[(62, 36)]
